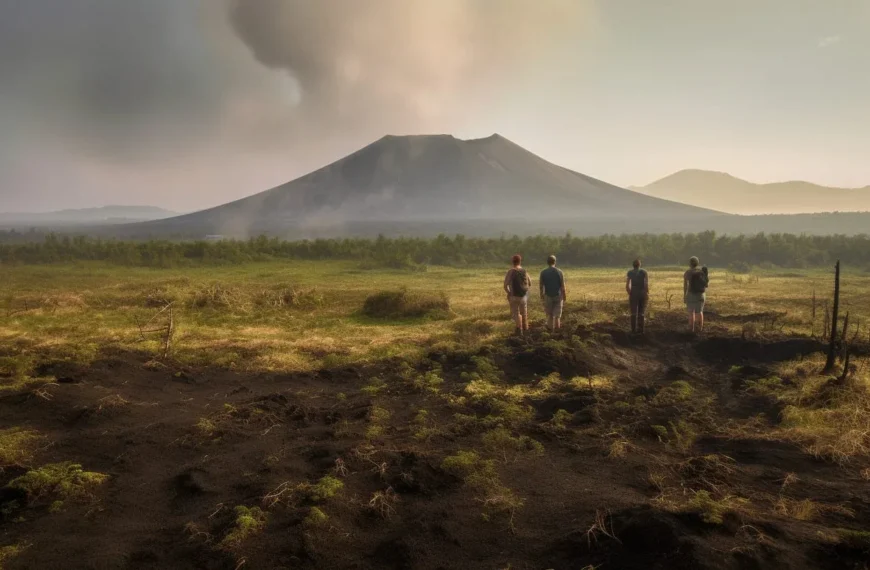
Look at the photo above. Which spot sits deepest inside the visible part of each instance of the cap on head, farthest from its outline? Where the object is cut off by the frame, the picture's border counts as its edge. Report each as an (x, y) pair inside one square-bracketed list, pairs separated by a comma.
[(517, 259), (636, 264), (694, 262), (551, 260)]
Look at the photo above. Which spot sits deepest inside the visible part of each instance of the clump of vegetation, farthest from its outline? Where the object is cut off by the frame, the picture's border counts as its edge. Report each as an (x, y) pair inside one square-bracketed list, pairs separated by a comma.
[(378, 418), (681, 434), (712, 510), (678, 391), (481, 476), (7, 553), (216, 296), (326, 488), (315, 518), (17, 446), (839, 430), (424, 427), (405, 304), (430, 382), (470, 330), (282, 297), (248, 522), (560, 421), (769, 386), (59, 482), (503, 443), (858, 539)]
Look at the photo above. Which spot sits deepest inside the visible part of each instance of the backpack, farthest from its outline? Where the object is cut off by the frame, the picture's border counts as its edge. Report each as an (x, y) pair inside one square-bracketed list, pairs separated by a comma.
[(519, 283), (698, 282)]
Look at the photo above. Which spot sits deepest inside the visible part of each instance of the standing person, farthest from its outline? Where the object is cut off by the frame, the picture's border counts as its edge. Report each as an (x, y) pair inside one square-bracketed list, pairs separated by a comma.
[(695, 282), (553, 293), (637, 287), (517, 284)]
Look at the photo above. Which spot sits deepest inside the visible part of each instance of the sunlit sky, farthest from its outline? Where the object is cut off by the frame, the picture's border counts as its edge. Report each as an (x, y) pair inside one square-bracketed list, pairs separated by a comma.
[(191, 103)]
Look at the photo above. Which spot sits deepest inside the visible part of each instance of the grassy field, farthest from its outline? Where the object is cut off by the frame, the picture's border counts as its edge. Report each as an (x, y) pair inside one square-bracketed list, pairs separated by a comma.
[(278, 423)]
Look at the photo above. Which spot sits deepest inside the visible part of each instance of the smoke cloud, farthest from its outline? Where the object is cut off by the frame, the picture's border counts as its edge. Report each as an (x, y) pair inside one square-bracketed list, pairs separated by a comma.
[(165, 85)]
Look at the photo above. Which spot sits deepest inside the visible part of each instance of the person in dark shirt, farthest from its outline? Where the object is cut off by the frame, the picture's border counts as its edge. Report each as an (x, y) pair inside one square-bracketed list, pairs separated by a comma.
[(637, 287), (517, 284), (553, 293)]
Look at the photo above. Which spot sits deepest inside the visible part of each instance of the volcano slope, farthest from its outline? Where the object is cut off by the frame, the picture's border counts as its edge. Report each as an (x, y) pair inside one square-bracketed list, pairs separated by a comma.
[(586, 449), (432, 179)]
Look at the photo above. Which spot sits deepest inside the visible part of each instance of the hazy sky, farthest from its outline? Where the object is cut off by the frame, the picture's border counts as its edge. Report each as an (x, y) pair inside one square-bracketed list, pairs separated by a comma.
[(192, 103)]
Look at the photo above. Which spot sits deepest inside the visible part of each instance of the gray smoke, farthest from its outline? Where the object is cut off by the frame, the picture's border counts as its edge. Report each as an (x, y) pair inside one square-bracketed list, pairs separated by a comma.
[(150, 93)]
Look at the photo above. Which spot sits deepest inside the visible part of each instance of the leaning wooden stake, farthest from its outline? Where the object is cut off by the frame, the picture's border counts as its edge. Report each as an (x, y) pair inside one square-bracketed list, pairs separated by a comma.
[(169, 330), (832, 347)]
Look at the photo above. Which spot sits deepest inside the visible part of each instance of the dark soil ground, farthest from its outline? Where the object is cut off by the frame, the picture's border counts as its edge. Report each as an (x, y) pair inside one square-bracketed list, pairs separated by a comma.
[(609, 491)]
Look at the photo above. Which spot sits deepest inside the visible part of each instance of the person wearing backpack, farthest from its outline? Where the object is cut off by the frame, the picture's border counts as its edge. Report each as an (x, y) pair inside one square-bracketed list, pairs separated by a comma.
[(695, 282), (517, 284), (553, 293), (637, 287)]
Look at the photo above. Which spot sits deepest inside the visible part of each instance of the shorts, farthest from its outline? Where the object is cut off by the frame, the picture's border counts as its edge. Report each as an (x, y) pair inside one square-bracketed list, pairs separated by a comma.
[(519, 305), (553, 306), (695, 302)]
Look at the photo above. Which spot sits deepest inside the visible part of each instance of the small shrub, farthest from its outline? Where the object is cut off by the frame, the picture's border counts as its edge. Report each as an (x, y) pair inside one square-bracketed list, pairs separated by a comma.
[(501, 441), (678, 391), (326, 488), (764, 386), (316, 518), (404, 304), (60, 482), (481, 476), (16, 446), (249, 521), (430, 382), (713, 511)]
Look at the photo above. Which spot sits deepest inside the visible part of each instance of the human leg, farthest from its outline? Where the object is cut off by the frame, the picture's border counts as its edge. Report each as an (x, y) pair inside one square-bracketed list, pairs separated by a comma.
[(641, 312), (633, 306)]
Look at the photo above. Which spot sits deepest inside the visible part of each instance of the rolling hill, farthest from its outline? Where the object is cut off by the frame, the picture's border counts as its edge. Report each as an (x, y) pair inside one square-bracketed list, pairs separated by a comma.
[(431, 180), (725, 193), (102, 215)]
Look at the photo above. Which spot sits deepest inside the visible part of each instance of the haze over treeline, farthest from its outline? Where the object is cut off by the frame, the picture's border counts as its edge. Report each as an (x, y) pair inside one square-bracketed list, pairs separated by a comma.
[(194, 103)]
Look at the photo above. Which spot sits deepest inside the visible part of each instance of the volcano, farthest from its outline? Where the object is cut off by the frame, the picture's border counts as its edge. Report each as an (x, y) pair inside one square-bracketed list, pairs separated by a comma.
[(429, 179)]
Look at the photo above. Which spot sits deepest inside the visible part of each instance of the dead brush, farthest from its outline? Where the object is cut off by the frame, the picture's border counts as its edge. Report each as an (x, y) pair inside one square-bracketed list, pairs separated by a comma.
[(288, 297), (602, 526), (216, 296), (710, 471), (383, 503), (808, 510)]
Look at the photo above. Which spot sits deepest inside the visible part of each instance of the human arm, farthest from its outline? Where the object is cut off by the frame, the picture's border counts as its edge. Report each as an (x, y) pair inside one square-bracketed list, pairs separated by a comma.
[(628, 284), (646, 283), (564, 290), (507, 282), (541, 284)]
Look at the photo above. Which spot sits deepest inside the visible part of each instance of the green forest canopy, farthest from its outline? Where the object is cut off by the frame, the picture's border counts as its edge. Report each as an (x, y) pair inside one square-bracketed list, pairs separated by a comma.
[(781, 250)]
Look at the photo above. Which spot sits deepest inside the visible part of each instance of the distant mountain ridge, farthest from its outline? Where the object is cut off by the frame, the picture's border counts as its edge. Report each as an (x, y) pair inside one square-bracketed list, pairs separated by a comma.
[(103, 214), (726, 193), (426, 178)]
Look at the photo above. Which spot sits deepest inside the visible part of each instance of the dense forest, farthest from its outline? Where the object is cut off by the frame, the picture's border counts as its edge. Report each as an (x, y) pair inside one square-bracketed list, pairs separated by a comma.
[(765, 250)]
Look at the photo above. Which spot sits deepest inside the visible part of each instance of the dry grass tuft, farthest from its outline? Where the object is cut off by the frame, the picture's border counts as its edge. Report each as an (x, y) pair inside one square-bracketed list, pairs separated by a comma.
[(405, 304)]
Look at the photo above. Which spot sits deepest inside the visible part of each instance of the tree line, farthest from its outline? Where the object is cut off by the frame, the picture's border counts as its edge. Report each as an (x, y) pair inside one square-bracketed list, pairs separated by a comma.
[(736, 251)]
